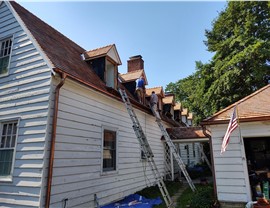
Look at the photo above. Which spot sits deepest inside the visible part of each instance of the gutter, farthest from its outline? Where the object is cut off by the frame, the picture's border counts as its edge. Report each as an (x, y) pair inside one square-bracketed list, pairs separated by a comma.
[(135, 103), (53, 137), (212, 159)]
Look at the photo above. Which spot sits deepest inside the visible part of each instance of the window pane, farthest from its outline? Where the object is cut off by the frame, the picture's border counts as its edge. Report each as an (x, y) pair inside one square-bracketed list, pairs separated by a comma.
[(4, 64), (3, 139), (5, 162), (9, 129), (109, 150), (2, 45), (4, 129), (8, 141), (13, 141), (15, 129)]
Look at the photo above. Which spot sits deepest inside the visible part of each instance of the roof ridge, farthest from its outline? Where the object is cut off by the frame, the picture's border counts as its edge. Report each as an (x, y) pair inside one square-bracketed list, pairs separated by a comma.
[(132, 71), (95, 49), (238, 102)]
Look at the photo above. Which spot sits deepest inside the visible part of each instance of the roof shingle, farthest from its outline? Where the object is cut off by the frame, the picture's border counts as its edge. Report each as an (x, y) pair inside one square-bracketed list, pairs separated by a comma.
[(63, 53), (186, 132), (131, 76), (254, 107), (157, 90)]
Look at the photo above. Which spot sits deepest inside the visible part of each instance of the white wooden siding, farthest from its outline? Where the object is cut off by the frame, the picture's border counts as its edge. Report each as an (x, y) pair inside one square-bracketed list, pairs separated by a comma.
[(24, 94), (77, 173), (230, 168), (195, 160)]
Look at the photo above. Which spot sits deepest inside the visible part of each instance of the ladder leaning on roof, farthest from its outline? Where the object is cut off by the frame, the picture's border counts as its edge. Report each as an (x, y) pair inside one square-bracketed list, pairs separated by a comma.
[(146, 149), (174, 151)]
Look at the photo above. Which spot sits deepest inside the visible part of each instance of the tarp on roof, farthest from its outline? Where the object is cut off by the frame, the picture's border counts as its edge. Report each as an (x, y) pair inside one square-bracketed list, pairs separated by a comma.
[(134, 201)]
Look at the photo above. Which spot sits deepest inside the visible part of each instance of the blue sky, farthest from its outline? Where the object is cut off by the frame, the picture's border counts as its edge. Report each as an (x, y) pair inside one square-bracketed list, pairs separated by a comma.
[(168, 35)]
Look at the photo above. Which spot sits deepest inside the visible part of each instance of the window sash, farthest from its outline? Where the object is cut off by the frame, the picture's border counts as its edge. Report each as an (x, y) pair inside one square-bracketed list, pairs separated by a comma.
[(7, 147), (109, 150), (6, 160), (5, 51)]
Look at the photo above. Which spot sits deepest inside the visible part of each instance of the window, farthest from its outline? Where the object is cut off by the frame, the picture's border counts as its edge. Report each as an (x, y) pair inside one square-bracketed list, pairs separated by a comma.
[(109, 150), (110, 74), (7, 147), (5, 55)]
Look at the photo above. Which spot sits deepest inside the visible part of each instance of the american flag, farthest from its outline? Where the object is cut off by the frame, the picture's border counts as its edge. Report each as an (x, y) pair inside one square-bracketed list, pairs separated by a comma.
[(232, 125)]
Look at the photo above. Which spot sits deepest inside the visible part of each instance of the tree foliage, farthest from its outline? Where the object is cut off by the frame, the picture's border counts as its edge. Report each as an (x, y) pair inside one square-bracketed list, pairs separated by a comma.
[(240, 41)]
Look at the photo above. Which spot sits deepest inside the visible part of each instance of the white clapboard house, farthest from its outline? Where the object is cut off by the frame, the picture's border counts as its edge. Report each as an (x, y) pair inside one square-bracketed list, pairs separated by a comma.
[(245, 163), (65, 133)]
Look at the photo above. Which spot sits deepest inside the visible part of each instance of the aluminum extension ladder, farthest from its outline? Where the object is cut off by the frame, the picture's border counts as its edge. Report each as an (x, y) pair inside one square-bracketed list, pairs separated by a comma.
[(204, 156), (174, 151), (146, 149)]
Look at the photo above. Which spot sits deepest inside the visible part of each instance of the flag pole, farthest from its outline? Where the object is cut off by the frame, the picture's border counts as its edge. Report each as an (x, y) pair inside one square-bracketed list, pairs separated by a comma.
[(238, 122)]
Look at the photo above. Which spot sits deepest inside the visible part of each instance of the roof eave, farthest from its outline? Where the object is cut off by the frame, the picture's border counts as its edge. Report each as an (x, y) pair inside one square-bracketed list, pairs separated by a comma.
[(241, 120)]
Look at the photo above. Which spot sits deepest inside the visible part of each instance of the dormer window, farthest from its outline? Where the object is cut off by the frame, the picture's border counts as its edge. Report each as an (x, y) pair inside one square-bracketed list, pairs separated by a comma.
[(5, 52), (104, 61), (111, 74)]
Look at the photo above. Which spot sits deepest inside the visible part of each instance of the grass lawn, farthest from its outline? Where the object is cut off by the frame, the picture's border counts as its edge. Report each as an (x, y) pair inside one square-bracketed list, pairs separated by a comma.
[(202, 198)]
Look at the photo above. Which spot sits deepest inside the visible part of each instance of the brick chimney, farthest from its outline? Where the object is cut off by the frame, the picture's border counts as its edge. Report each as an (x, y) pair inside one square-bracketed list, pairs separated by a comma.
[(135, 63)]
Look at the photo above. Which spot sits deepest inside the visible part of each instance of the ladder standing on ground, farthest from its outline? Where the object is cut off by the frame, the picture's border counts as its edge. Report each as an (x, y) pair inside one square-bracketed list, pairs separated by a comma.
[(174, 151), (204, 156), (146, 149)]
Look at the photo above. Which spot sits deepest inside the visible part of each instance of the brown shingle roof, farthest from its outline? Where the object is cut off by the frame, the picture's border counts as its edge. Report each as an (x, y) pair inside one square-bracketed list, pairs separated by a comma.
[(169, 99), (158, 91), (186, 132), (177, 106), (97, 52), (185, 112), (109, 51), (131, 76), (254, 107), (62, 52), (190, 116)]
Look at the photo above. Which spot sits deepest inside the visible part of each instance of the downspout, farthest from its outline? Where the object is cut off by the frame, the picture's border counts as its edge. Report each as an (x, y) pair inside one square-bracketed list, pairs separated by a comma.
[(212, 159), (51, 160)]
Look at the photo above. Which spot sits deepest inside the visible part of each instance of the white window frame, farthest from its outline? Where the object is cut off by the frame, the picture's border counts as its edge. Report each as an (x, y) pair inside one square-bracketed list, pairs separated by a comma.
[(113, 79), (108, 172), (11, 37), (9, 177)]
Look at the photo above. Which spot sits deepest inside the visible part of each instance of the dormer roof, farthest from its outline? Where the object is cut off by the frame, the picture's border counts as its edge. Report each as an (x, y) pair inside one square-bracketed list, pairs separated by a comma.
[(190, 116), (177, 107), (184, 112), (168, 99), (133, 76), (158, 91), (109, 51)]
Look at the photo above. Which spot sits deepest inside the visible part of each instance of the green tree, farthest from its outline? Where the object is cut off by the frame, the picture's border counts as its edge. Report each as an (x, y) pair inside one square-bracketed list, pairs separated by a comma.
[(240, 41)]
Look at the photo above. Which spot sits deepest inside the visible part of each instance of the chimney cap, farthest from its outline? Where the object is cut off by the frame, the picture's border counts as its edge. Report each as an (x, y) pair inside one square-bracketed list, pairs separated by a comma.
[(135, 57)]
